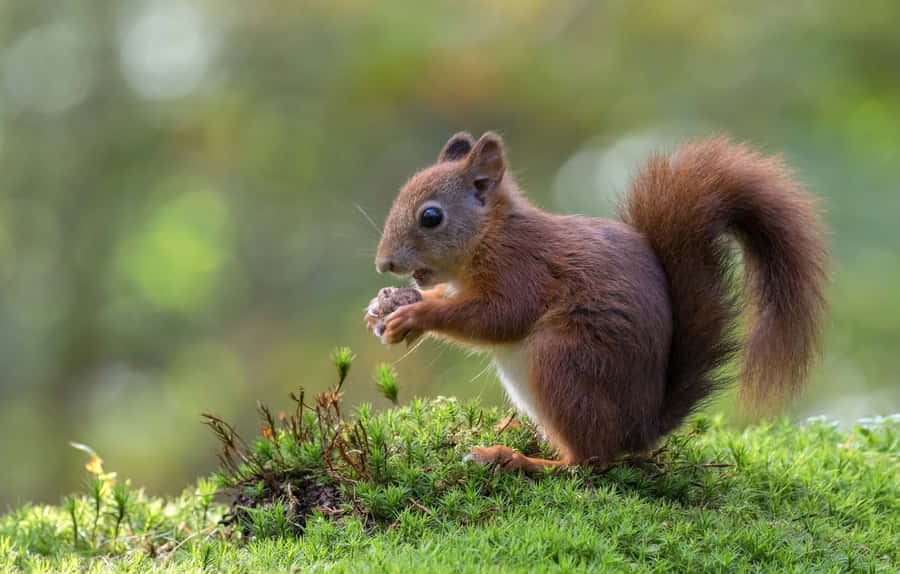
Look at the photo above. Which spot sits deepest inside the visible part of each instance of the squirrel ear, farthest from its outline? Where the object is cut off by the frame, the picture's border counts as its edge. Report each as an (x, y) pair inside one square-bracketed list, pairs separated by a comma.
[(457, 147), (487, 163)]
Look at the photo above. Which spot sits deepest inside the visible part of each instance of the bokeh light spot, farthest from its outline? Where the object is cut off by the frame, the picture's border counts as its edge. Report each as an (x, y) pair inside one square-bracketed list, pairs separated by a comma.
[(175, 261), (166, 48), (48, 69), (593, 180)]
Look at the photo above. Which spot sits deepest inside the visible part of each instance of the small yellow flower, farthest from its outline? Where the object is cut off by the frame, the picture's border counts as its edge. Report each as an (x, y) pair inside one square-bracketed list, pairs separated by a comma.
[(95, 465)]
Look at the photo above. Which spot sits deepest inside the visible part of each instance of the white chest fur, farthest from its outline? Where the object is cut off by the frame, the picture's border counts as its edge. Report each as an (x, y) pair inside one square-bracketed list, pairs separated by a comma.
[(512, 369)]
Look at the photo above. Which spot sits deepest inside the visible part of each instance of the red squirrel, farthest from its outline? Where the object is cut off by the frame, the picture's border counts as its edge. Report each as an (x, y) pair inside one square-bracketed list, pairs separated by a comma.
[(609, 333)]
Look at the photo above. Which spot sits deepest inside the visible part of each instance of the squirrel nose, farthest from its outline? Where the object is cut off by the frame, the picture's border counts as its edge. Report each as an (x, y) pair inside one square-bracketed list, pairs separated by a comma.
[(384, 264)]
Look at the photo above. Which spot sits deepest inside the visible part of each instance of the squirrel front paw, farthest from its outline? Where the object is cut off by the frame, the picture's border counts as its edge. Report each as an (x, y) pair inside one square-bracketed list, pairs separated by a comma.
[(381, 309), (402, 324), (373, 318)]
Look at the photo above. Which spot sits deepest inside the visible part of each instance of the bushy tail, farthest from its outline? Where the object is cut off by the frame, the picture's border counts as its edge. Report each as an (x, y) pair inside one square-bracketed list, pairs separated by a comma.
[(688, 204)]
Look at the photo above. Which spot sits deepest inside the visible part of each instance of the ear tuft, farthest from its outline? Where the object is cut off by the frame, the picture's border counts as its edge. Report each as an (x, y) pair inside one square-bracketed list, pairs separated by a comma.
[(457, 147), (487, 162)]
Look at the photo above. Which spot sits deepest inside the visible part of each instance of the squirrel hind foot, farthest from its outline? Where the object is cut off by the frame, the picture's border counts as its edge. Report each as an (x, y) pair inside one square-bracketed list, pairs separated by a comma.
[(506, 459)]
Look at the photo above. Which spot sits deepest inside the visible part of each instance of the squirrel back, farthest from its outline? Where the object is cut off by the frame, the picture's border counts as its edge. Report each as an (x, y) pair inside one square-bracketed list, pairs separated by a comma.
[(686, 204)]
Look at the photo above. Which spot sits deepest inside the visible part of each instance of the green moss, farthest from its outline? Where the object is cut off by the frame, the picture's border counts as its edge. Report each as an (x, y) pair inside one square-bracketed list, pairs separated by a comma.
[(775, 497)]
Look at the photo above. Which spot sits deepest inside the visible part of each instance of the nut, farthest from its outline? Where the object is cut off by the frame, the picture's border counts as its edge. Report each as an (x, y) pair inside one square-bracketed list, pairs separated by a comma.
[(389, 300)]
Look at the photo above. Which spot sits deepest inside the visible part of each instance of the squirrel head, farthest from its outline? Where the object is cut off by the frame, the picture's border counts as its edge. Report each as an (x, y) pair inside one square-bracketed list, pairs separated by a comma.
[(440, 213)]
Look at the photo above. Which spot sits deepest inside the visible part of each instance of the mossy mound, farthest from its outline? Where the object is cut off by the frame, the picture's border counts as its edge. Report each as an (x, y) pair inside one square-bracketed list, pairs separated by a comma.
[(389, 492)]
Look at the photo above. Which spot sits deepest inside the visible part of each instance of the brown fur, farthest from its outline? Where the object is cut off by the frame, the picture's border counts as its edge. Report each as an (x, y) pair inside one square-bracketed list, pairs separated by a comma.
[(625, 325)]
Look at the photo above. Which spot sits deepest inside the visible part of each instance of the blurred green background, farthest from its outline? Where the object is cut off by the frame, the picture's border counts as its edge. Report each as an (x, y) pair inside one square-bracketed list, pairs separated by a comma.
[(179, 184)]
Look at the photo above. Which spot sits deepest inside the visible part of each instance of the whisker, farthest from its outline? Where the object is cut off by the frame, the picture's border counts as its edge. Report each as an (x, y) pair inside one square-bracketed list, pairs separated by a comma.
[(487, 381), (437, 357), (368, 218), (411, 349), (482, 372)]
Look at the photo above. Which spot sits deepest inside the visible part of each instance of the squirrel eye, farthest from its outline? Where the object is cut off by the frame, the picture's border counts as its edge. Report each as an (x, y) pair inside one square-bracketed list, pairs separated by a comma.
[(431, 217)]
